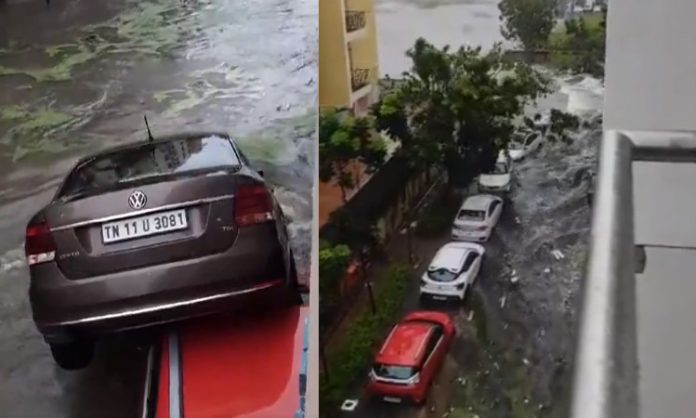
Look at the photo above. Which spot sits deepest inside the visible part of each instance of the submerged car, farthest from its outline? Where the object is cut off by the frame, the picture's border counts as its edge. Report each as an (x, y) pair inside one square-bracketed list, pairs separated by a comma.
[(452, 271), (154, 232), (500, 179), (528, 143), (411, 356), (477, 217)]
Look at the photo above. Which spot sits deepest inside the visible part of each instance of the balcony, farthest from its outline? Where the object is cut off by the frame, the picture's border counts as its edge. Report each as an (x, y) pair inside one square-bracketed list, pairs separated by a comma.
[(355, 25), (359, 78)]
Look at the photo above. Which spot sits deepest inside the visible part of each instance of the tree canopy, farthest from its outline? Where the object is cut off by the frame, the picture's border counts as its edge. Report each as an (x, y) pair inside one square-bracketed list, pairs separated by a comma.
[(456, 108), (586, 37), (343, 141), (527, 22)]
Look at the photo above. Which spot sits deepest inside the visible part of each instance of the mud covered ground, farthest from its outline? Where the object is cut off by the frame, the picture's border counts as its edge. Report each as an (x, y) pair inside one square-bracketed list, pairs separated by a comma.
[(78, 77)]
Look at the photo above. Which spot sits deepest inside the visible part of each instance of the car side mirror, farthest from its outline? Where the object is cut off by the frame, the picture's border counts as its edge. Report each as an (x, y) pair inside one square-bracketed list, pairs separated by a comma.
[(260, 173)]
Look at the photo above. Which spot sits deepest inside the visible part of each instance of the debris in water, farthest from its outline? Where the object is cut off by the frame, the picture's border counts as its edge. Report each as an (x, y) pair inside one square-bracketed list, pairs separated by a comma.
[(547, 270), (514, 278), (471, 315), (526, 400), (517, 220), (502, 301), (505, 326), (557, 254), (525, 361), (349, 405)]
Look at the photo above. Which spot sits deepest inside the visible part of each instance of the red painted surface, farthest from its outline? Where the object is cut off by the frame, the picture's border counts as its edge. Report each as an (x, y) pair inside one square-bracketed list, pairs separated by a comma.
[(246, 367), (404, 346), (163, 386)]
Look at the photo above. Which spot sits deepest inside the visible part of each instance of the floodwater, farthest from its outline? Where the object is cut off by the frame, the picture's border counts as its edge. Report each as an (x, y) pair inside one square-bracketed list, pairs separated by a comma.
[(79, 76), (441, 22), (513, 357)]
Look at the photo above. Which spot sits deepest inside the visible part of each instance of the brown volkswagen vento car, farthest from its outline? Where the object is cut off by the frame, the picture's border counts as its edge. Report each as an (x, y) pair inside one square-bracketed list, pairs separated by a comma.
[(154, 232)]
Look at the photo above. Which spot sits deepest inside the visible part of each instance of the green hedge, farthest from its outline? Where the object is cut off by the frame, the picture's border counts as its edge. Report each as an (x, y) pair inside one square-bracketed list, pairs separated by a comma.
[(349, 363)]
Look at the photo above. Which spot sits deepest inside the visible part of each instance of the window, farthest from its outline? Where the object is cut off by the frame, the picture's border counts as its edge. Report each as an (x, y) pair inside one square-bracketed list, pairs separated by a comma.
[(442, 275), (471, 215), (469, 260), (493, 206), (389, 371), (531, 138), (149, 162), (435, 337)]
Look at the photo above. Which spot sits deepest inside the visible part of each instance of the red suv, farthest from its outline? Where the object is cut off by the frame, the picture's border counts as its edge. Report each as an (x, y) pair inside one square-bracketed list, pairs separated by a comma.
[(411, 356)]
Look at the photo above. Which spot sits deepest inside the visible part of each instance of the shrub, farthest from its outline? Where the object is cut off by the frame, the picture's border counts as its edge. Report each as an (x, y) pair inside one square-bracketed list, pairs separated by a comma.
[(352, 360), (333, 262)]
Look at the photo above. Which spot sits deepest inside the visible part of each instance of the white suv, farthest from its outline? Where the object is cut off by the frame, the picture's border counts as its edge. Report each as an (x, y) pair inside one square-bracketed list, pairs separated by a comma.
[(453, 269)]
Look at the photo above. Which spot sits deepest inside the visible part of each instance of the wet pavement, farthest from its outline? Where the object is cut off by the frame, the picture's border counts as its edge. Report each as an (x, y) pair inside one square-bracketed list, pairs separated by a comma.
[(78, 77)]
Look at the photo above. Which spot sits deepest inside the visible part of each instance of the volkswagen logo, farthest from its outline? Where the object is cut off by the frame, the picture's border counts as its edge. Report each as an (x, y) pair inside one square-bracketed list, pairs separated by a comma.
[(137, 200)]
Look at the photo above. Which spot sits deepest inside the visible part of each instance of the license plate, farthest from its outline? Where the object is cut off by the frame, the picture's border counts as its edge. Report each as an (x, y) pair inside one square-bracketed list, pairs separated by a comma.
[(439, 297), (144, 226), (392, 399)]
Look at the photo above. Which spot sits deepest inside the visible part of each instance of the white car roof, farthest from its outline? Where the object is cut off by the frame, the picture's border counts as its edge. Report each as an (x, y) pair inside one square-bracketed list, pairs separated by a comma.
[(451, 256), (478, 202)]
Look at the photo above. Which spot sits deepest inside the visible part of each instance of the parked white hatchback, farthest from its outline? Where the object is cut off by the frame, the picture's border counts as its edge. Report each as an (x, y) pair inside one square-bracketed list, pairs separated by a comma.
[(477, 217), (453, 269), (500, 179)]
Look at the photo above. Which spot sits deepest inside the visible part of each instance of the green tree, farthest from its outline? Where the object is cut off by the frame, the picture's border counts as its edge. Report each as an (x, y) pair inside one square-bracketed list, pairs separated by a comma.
[(459, 106), (581, 46), (333, 262), (344, 140), (527, 22)]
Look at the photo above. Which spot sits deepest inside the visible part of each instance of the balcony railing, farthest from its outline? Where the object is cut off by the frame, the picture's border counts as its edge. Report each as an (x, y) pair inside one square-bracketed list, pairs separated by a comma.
[(354, 21), (359, 78)]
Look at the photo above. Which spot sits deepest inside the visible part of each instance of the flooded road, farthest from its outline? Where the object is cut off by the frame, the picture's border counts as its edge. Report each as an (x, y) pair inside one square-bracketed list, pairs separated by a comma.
[(516, 329), (78, 77), (511, 357)]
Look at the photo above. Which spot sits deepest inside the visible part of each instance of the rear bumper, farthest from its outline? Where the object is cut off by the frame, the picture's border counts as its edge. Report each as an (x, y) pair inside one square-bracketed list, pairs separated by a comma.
[(414, 393), (474, 236), (445, 293), (64, 309)]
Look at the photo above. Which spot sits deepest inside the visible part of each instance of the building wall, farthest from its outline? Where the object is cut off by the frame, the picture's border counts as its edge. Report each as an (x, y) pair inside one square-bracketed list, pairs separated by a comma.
[(334, 79), (650, 82)]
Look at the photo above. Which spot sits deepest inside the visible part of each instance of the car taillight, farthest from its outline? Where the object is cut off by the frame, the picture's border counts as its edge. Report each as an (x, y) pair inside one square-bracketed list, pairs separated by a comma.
[(252, 205), (39, 246)]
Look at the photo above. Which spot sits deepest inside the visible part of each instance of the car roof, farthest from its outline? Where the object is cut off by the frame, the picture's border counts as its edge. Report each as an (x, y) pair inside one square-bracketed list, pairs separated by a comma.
[(450, 257), (405, 345), (478, 202), (158, 140)]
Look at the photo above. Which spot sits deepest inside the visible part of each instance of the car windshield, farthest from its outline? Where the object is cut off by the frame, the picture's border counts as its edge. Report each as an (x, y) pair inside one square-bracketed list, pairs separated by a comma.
[(530, 138), (500, 168), (149, 161), (389, 371), (441, 275), (471, 215)]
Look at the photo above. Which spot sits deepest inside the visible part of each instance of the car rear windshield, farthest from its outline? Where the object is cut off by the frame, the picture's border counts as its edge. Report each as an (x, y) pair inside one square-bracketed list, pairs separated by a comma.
[(473, 215), (389, 371), (151, 161), (442, 275)]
